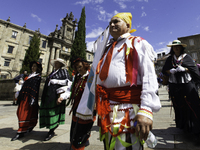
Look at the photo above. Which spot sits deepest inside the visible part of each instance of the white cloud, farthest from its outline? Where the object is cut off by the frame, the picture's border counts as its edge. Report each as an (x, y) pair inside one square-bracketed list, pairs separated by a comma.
[(142, 0), (95, 33), (121, 3), (124, 0), (146, 28), (132, 7), (83, 2), (90, 45), (198, 17), (115, 12), (169, 42), (170, 32), (143, 14), (161, 43), (164, 49), (103, 15), (142, 7), (35, 16), (138, 25)]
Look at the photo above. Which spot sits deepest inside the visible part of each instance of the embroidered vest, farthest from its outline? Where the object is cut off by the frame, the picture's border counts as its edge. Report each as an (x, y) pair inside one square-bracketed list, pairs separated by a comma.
[(131, 60)]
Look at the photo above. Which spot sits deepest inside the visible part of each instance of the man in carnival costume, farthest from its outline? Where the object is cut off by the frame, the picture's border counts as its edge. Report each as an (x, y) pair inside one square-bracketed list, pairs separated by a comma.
[(126, 86)]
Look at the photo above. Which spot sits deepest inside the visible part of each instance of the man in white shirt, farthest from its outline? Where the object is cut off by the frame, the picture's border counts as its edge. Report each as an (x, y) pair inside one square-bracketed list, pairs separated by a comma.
[(126, 87)]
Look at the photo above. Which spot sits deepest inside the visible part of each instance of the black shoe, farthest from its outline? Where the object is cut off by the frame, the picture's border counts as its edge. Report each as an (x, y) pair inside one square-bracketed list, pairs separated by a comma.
[(30, 129), (18, 136), (87, 143), (49, 136)]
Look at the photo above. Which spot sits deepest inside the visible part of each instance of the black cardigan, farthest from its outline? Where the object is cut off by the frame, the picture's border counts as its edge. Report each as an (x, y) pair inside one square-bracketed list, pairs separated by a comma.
[(30, 88), (50, 91), (187, 63)]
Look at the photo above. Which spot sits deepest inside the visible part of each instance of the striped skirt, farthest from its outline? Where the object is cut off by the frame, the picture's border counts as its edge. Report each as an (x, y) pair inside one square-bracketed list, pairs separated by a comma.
[(27, 116), (52, 114)]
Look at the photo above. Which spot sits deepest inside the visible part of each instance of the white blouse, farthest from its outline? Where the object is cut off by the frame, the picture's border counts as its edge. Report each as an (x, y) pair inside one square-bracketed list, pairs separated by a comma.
[(186, 78)]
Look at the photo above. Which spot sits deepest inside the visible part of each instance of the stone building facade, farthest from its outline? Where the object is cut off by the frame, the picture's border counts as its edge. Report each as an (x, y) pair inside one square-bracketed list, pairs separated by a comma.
[(193, 46), (89, 56), (159, 63), (15, 40)]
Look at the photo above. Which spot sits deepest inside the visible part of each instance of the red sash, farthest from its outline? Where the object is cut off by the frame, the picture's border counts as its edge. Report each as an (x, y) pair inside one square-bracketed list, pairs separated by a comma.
[(125, 94)]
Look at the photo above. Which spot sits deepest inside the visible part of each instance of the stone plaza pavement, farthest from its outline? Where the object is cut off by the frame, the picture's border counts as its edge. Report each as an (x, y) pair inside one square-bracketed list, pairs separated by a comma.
[(169, 137)]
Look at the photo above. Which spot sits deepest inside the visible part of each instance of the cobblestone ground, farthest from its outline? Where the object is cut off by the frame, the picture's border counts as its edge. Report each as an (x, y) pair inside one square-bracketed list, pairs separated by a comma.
[(169, 137)]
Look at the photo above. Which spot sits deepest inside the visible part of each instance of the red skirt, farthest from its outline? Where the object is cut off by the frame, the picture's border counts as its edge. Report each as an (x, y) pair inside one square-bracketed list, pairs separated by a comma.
[(27, 116)]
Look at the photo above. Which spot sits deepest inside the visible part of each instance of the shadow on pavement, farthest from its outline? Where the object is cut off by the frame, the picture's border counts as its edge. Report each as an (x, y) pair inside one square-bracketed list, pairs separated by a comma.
[(34, 135), (95, 128), (174, 138), (166, 105), (47, 146), (7, 132), (8, 105), (165, 100)]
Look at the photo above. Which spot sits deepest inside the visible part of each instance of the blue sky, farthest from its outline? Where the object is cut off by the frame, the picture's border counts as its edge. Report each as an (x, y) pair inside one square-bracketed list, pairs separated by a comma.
[(157, 21)]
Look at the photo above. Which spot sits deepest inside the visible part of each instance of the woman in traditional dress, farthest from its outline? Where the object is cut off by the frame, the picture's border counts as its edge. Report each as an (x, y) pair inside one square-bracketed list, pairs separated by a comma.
[(80, 129), (51, 114), (183, 78), (27, 111)]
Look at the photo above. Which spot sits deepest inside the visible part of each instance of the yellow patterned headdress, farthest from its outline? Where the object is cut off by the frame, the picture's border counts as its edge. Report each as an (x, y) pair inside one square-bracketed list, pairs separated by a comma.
[(126, 17)]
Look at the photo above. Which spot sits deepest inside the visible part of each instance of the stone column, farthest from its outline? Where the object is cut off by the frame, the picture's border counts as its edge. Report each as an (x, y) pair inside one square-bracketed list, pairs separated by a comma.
[(57, 53), (46, 61), (52, 56), (68, 63)]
